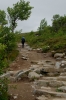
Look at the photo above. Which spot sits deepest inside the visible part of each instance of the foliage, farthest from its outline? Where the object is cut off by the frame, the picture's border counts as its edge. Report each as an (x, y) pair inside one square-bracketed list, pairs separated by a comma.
[(3, 20), (20, 11), (49, 37), (3, 60), (7, 38), (59, 22), (43, 25), (45, 48), (3, 89)]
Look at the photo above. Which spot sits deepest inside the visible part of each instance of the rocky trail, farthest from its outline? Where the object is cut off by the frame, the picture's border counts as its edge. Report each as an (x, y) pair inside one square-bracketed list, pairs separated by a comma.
[(37, 76)]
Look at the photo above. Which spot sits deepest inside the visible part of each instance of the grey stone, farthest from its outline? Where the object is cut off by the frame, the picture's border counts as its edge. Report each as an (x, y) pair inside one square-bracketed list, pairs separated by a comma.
[(52, 93), (5, 75), (63, 89), (33, 74), (41, 98), (61, 55)]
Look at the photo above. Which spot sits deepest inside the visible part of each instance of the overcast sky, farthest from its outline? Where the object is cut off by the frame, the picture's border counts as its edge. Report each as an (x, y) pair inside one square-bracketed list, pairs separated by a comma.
[(42, 9)]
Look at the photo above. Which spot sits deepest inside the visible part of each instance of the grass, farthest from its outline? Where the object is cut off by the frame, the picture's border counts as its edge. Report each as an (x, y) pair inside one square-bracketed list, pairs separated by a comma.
[(55, 41)]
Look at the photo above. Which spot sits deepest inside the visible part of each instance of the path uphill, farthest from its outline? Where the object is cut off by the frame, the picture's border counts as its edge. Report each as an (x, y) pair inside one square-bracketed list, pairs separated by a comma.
[(37, 76)]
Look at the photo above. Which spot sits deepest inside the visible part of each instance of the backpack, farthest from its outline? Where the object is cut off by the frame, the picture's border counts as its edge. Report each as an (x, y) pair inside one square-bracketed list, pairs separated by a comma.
[(23, 39)]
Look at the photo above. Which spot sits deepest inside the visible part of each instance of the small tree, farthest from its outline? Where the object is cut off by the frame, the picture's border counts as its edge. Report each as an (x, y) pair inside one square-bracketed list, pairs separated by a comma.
[(43, 25), (59, 22), (20, 11)]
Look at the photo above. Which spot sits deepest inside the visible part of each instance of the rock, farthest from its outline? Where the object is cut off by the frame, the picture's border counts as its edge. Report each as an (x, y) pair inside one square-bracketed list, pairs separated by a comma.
[(41, 98), (34, 62), (52, 53), (63, 62), (12, 79), (19, 71), (59, 99), (53, 74), (55, 83), (63, 89), (33, 75), (58, 59), (49, 92), (49, 69), (50, 78), (61, 55), (33, 67), (63, 78), (24, 58), (57, 65), (39, 50), (65, 57), (63, 74), (5, 75), (42, 83), (51, 83), (18, 76), (15, 97)]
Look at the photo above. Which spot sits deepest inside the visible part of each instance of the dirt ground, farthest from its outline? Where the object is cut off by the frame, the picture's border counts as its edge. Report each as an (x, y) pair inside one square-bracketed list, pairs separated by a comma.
[(22, 90)]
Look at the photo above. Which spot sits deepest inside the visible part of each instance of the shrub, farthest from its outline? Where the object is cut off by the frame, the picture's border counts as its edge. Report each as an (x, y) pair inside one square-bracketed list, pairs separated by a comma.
[(3, 60), (45, 49), (3, 89)]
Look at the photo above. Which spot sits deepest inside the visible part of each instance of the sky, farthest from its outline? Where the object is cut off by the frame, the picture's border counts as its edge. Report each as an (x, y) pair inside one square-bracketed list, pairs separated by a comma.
[(42, 9)]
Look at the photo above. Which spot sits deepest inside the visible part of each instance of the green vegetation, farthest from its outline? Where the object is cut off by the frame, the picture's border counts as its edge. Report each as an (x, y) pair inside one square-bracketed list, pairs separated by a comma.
[(3, 89), (49, 37), (20, 11)]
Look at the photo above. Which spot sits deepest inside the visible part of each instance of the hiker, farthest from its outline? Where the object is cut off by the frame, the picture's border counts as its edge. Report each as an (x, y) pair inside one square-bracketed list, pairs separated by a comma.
[(23, 41)]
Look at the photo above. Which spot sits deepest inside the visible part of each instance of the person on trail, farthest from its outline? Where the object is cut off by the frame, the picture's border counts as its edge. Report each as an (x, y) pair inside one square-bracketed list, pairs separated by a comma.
[(23, 41)]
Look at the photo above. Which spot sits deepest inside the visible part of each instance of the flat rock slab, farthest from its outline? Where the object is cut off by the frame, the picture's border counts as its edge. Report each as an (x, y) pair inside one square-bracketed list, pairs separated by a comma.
[(59, 99), (41, 98), (63, 89), (52, 93)]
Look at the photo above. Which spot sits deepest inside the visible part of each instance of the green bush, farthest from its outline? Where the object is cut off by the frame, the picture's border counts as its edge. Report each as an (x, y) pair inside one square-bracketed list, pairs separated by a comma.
[(3, 60), (59, 46), (45, 49), (3, 89)]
